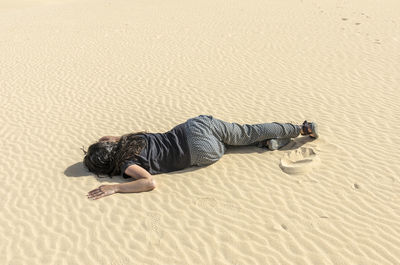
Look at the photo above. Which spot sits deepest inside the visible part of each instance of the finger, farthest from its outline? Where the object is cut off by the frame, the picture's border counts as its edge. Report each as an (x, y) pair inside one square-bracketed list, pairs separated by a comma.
[(95, 190), (95, 194), (104, 194), (99, 189), (98, 197)]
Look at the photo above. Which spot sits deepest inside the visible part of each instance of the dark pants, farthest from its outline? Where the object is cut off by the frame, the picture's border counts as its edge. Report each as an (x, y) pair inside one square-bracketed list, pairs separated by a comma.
[(208, 136)]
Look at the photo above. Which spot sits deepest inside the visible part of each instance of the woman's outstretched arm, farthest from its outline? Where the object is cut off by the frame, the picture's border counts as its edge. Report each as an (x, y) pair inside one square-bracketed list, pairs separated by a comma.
[(144, 182)]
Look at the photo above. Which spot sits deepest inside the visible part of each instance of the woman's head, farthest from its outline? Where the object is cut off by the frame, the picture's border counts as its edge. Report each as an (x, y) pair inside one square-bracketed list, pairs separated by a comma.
[(106, 158), (100, 158)]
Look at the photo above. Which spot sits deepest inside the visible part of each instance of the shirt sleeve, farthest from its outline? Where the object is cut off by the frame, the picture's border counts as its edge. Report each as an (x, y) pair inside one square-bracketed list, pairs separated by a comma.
[(126, 165)]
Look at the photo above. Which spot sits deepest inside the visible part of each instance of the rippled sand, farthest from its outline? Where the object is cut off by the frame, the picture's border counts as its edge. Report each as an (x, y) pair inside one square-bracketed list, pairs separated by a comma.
[(72, 71)]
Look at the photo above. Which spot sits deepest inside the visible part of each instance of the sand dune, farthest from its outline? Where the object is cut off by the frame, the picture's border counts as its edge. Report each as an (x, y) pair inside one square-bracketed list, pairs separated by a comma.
[(72, 71)]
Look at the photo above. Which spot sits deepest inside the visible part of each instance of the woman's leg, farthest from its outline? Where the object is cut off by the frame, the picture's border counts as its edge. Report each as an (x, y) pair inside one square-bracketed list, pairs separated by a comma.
[(247, 134), (207, 136)]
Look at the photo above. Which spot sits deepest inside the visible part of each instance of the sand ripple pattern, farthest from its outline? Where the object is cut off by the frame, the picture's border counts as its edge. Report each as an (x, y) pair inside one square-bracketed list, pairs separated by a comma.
[(72, 71)]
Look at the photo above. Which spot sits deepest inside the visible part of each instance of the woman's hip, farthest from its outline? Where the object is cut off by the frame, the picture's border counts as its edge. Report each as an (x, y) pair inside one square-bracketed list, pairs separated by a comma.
[(204, 147)]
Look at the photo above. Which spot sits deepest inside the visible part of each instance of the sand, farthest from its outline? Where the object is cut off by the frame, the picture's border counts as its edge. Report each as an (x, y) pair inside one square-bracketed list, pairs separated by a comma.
[(72, 71)]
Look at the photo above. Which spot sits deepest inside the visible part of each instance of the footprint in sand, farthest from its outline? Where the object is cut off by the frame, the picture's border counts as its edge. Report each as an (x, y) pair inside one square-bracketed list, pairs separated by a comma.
[(299, 161)]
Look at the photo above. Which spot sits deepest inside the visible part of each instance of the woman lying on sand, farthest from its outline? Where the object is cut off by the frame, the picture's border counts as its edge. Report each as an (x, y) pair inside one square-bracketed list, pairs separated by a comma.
[(199, 141)]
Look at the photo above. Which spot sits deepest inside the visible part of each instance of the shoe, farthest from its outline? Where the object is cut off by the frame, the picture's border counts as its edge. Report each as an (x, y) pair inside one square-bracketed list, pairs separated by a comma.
[(310, 128), (275, 144)]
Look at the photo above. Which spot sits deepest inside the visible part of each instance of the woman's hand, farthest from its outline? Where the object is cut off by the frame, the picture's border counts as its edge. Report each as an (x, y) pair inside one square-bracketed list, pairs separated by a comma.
[(109, 139), (104, 138), (102, 191)]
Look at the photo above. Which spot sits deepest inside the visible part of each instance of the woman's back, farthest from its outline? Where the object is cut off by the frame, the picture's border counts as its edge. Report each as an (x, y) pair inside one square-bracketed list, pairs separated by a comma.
[(164, 152)]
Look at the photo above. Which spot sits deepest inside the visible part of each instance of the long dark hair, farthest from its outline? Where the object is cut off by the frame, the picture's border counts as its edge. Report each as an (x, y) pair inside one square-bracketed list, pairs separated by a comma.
[(106, 158)]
